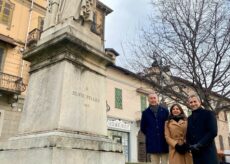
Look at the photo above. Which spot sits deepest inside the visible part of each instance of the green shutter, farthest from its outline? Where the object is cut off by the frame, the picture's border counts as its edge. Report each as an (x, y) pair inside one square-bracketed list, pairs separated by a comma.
[(1, 56), (118, 98), (143, 102)]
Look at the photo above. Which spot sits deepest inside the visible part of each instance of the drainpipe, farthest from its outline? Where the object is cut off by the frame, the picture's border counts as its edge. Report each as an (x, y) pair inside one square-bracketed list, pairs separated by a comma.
[(30, 15), (27, 34), (22, 68)]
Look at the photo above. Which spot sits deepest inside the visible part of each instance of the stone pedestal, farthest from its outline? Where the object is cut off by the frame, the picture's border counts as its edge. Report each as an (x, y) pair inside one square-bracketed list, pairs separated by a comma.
[(60, 148), (64, 116)]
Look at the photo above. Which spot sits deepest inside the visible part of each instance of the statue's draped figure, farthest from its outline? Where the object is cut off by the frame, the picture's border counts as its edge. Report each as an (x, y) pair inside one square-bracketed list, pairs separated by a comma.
[(59, 10)]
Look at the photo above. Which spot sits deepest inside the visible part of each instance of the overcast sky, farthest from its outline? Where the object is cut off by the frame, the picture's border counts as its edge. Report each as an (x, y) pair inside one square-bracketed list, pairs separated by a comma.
[(124, 23)]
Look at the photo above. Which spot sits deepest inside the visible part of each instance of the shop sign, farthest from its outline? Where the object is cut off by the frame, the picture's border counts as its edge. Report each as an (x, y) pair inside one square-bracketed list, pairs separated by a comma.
[(118, 124)]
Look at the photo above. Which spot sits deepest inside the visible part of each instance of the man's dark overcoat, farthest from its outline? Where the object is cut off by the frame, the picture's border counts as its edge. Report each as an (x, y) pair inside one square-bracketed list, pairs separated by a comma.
[(153, 128), (202, 128)]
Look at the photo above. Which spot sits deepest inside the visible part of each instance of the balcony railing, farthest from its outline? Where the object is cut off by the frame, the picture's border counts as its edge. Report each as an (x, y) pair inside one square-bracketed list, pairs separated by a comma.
[(11, 83), (224, 158), (33, 37)]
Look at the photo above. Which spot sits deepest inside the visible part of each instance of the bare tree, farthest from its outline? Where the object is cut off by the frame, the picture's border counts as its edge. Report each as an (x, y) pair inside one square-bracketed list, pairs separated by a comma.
[(193, 38)]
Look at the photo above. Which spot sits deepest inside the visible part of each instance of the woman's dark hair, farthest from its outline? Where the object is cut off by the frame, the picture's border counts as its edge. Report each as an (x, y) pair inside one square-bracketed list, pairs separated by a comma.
[(181, 110)]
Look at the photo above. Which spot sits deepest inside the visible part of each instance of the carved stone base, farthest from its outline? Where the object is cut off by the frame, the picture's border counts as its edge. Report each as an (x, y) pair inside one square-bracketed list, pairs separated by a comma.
[(60, 148)]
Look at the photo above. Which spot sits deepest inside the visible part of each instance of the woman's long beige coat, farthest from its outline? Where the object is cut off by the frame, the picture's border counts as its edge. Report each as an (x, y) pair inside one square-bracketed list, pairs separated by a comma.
[(175, 132)]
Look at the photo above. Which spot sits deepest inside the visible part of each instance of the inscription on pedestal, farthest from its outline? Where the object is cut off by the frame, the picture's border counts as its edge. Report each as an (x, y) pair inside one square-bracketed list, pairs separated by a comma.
[(86, 97)]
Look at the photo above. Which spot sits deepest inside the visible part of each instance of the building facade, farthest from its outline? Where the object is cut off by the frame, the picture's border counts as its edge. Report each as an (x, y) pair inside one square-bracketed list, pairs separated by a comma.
[(126, 99), (21, 23), (17, 19)]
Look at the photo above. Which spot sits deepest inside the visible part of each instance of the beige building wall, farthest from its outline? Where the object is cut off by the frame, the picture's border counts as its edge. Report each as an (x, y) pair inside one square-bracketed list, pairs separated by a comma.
[(17, 30), (20, 19), (131, 105), (9, 119), (126, 120), (223, 130), (15, 33)]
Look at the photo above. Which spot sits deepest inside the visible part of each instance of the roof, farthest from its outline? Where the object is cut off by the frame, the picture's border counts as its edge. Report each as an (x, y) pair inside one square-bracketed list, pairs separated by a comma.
[(104, 7), (112, 50), (191, 84), (128, 72)]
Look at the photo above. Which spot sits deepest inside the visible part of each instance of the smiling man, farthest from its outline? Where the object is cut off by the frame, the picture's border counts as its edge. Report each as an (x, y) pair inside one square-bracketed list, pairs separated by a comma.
[(152, 125), (201, 131)]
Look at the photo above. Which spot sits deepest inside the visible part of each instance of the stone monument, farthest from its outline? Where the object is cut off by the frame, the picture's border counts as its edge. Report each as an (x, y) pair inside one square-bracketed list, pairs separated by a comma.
[(64, 116)]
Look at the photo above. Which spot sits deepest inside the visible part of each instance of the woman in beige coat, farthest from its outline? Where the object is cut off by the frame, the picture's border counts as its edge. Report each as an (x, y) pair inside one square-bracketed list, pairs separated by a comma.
[(175, 134)]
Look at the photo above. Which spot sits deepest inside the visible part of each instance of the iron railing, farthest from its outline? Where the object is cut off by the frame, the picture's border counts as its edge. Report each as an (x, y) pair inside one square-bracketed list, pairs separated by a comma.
[(224, 158), (33, 37), (11, 83), (97, 29)]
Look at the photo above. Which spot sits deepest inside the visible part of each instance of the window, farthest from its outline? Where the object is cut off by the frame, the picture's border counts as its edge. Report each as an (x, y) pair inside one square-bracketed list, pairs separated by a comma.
[(225, 116), (229, 141), (1, 121), (6, 10), (143, 102), (40, 23), (221, 142), (118, 98), (122, 138), (1, 57)]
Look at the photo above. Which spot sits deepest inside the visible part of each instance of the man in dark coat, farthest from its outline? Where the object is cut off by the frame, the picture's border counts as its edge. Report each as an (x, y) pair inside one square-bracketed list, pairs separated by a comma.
[(201, 131), (152, 125)]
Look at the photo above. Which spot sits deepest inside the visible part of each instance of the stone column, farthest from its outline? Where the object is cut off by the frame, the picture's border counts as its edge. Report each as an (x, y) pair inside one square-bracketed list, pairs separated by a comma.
[(64, 116)]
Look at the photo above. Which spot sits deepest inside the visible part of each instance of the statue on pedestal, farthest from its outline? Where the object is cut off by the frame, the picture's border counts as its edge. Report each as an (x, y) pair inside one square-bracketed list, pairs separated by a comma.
[(59, 10)]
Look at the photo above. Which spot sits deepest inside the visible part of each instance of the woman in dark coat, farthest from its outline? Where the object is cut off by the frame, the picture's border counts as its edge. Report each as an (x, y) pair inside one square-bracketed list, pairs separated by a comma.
[(175, 134), (201, 132)]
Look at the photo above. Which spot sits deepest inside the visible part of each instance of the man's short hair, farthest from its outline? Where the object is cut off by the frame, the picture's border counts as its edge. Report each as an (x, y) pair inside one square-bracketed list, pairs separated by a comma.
[(153, 93), (194, 95)]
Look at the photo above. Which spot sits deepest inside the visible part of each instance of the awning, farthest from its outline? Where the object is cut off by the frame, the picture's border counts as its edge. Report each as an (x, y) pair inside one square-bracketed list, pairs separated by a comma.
[(8, 40)]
